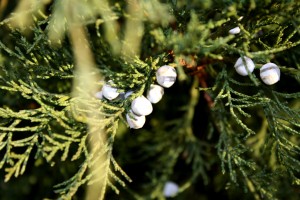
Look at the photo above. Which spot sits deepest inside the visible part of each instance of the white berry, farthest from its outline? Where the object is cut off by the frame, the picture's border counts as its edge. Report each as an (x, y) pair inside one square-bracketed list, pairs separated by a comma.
[(109, 92), (127, 94), (170, 189), (270, 73), (141, 106), (166, 76), (135, 121), (240, 66), (155, 93), (235, 30)]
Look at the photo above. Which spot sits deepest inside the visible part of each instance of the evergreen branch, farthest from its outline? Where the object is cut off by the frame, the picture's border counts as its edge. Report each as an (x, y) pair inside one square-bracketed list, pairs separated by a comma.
[(59, 116), (62, 137), (81, 149), (25, 141), (49, 157), (235, 117), (6, 157), (119, 169), (252, 188), (23, 115), (276, 113), (114, 188), (21, 129), (72, 185), (53, 146), (289, 129), (276, 49), (19, 167), (12, 53), (100, 153), (287, 95), (288, 145), (116, 178)]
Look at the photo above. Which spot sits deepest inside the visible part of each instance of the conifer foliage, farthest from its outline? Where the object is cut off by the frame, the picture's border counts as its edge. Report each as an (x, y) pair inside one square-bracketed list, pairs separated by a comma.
[(230, 125)]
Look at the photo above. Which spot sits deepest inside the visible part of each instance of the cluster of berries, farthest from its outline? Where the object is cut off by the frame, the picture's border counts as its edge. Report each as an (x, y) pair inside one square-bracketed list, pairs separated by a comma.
[(142, 106), (269, 73)]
